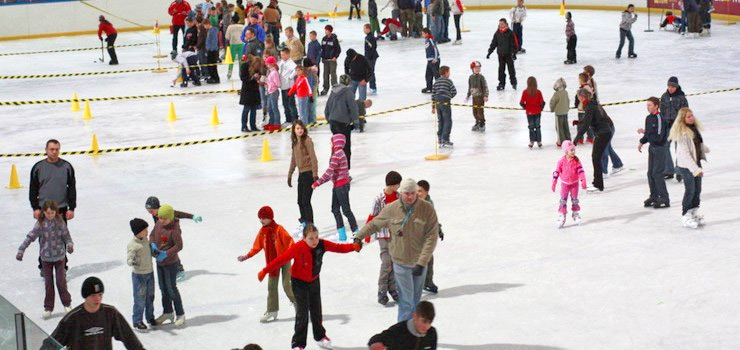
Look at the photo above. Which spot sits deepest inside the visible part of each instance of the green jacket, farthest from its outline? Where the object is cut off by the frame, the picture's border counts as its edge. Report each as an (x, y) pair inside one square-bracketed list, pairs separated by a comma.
[(560, 102), (477, 86)]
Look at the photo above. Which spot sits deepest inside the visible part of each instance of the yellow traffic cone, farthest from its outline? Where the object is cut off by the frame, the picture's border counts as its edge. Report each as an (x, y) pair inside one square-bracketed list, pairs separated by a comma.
[(228, 59), (171, 117), (75, 103), (94, 147), (562, 7), (87, 115), (266, 155), (14, 183), (214, 116)]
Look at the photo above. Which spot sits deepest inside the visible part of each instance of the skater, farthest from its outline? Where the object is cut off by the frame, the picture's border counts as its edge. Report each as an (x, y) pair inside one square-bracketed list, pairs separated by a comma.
[(354, 5), (671, 19), (55, 242), (406, 16), (533, 103), (457, 12), (559, 104), (442, 93), (139, 257), (691, 8), (311, 72), (295, 45), (330, 51), (110, 38), (655, 133), (166, 242), (250, 75), (313, 50), (372, 13), (437, 8), (625, 31), (386, 279), (690, 151), (342, 114), (308, 255), (274, 240), (595, 117), (570, 172), (478, 90), (273, 92), (583, 80), (571, 39), (415, 333), (212, 52), (670, 103), (302, 91), (423, 193), (518, 14), (391, 28), (706, 8), (286, 68), (185, 60), (414, 233), (303, 157), (507, 44), (371, 55), (432, 53), (359, 71), (92, 324), (445, 21), (338, 174), (233, 41), (178, 10), (152, 207)]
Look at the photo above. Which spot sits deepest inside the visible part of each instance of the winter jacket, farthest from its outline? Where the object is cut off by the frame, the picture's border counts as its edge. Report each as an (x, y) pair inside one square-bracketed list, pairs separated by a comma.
[(53, 181), (202, 35), (627, 20), (430, 47), (570, 29), (306, 261), (372, 9), (405, 4), (300, 88), (190, 42), (296, 48), (304, 158), (457, 7), (378, 204), (178, 11), (167, 238), (139, 256), (54, 239), (182, 58), (656, 130), (532, 104), (273, 81), (106, 27), (275, 241), (506, 42), (594, 117), (569, 172), (330, 47), (371, 47), (437, 8), (477, 86), (254, 47), (250, 91), (518, 14), (81, 330), (338, 171), (403, 336), (178, 215), (357, 67), (212, 39), (670, 104), (314, 51), (287, 73), (341, 106), (443, 90), (560, 102), (686, 152), (259, 32), (233, 33), (414, 231)]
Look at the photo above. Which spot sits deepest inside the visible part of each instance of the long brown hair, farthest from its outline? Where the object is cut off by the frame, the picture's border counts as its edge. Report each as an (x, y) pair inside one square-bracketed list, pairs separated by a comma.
[(49, 205), (255, 66), (532, 86), (294, 137)]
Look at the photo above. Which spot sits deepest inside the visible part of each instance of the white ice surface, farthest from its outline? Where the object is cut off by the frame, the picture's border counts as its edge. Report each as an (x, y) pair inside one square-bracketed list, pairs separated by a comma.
[(627, 278)]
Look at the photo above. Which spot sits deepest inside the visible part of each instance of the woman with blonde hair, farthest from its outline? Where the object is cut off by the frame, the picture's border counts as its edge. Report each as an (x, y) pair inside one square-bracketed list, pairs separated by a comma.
[(690, 151)]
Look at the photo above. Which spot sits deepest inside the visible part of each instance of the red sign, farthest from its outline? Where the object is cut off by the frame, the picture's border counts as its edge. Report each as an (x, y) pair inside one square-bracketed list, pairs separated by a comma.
[(724, 7)]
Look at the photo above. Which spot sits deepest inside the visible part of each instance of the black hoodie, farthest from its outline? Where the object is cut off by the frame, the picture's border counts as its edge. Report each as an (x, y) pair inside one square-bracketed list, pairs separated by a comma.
[(357, 67)]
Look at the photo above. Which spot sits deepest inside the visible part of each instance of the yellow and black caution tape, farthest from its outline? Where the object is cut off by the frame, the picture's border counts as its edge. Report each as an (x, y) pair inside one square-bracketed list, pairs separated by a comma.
[(114, 98), (69, 50), (197, 142)]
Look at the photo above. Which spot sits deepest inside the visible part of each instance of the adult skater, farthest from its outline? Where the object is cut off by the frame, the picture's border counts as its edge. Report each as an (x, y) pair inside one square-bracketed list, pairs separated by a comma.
[(415, 333), (518, 14), (625, 31), (655, 133), (110, 38), (92, 324), (595, 117), (690, 151), (342, 114), (414, 234), (178, 10), (670, 103), (53, 179), (507, 44)]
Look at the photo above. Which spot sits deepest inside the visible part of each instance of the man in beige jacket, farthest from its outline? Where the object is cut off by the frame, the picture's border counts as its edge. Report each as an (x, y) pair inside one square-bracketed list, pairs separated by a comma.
[(295, 46), (414, 233)]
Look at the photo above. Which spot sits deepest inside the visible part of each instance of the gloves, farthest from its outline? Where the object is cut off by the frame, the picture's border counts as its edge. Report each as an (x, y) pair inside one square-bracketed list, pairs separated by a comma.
[(358, 244), (70, 248), (418, 269), (241, 258), (19, 256), (310, 99), (155, 251), (261, 275), (161, 256), (489, 55), (290, 181), (197, 218), (575, 123), (524, 105)]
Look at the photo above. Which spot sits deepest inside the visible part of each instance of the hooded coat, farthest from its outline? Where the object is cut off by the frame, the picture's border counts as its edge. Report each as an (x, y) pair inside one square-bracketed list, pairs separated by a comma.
[(338, 170), (670, 104), (341, 106)]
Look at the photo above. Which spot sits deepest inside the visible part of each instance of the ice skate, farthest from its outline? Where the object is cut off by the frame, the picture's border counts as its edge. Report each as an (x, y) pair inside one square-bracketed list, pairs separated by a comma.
[(476, 127), (426, 91), (67, 309), (180, 321), (141, 327), (373, 91), (341, 234), (46, 314), (298, 231), (268, 317), (616, 170), (659, 204), (180, 275), (431, 288), (632, 55), (457, 42), (521, 50), (539, 144), (560, 220), (697, 217), (531, 144), (577, 217), (447, 144), (593, 189), (324, 343), (160, 320), (649, 202), (513, 86), (688, 221), (500, 88)]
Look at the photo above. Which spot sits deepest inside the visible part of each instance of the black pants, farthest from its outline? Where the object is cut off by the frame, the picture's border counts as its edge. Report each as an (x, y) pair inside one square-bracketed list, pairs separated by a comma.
[(308, 302), (535, 131), (572, 48), (63, 213), (692, 187), (432, 73), (656, 168), (600, 143), (340, 204), (354, 6), (109, 41), (212, 58), (346, 130), (175, 30), (457, 26), (305, 179), (194, 71), (505, 61), (517, 28), (372, 77)]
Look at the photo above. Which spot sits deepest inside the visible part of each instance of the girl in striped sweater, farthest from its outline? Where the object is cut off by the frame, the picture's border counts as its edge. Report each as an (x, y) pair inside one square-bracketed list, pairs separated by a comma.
[(570, 172), (338, 173)]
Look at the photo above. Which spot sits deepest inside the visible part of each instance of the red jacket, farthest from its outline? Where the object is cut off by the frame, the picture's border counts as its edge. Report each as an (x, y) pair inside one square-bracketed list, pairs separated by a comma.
[(300, 87), (307, 262), (533, 105), (179, 12), (106, 27), (274, 240)]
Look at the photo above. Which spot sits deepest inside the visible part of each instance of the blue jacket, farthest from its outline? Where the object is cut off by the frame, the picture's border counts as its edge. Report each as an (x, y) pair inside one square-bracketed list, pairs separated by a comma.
[(314, 51), (656, 130), (259, 32), (212, 39), (431, 49)]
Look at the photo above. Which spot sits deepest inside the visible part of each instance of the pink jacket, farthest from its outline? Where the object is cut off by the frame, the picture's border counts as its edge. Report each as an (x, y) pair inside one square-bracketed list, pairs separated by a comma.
[(273, 81), (569, 172)]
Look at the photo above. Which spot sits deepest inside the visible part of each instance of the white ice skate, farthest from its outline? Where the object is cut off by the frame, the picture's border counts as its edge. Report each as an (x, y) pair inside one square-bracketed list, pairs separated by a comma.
[(298, 232), (180, 321), (688, 221), (577, 217), (268, 317), (46, 315), (593, 189), (160, 320), (561, 220), (616, 170), (324, 343), (697, 217)]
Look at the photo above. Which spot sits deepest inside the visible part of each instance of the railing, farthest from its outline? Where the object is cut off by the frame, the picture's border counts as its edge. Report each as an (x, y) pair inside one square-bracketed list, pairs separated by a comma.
[(18, 332)]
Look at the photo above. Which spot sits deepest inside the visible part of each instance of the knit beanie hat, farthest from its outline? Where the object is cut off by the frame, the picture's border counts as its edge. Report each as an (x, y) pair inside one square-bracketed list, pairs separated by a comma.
[(92, 285), (408, 185), (673, 81), (166, 212), (152, 203), (344, 79), (137, 225), (265, 213), (567, 146)]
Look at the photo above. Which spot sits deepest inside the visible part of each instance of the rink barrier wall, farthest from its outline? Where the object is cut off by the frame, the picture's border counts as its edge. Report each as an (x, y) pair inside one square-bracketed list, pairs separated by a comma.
[(71, 50)]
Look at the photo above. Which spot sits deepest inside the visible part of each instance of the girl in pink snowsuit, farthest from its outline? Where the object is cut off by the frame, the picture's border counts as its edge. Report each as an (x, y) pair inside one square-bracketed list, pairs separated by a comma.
[(570, 172)]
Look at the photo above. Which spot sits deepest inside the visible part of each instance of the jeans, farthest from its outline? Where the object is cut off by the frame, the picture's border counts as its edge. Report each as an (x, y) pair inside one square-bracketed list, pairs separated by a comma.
[(506, 61), (263, 100), (444, 121), (346, 130), (340, 200), (272, 107), (457, 26), (251, 112), (51, 270), (692, 189), (273, 304), (626, 34), (291, 112), (610, 153), (409, 289), (303, 109), (143, 297), (600, 143), (431, 73), (535, 131), (175, 30), (305, 192), (167, 276), (684, 22), (445, 26), (517, 29), (572, 41), (330, 70), (308, 303), (386, 278), (437, 29), (363, 89), (656, 182), (670, 169), (372, 77), (429, 280)]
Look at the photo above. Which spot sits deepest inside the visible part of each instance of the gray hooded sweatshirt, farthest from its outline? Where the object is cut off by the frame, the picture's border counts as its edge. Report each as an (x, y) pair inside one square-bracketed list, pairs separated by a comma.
[(341, 106)]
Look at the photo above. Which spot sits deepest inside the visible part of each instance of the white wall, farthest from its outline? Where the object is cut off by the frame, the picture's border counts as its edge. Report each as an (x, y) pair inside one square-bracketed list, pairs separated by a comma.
[(65, 17)]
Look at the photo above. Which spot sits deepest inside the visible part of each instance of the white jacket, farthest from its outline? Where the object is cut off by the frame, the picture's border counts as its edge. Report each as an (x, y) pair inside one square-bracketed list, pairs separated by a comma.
[(518, 14), (287, 74), (686, 154), (456, 10)]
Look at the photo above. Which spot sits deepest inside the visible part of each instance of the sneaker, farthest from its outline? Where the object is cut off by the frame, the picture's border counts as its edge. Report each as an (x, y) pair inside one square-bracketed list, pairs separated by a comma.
[(577, 217), (382, 298), (394, 295), (616, 170), (324, 343), (688, 221), (180, 321), (697, 217), (561, 220), (268, 317), (141, 327), (431, 288), (160, 320), (46, 314)]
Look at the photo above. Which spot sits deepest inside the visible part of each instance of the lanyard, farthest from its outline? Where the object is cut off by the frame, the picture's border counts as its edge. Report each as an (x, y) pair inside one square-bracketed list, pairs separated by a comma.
[(408, 214)]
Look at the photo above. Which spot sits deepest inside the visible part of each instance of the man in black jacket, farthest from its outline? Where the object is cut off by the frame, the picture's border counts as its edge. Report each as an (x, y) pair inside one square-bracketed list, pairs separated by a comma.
[(330, 51), (656, 133), (595, 117), (359, 71), (507, 44), (416, 333)]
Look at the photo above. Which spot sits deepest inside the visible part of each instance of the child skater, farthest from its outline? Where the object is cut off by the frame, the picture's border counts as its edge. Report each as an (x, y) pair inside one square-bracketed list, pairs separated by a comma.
[(571, 39), (570, 172), (423, 192), (55, 241), (139, 257), (386, 280), (275, 241), (478, 90), (533, 103), (559, 104), (303, 157), (302, 89), (583, 82), (308, 255)]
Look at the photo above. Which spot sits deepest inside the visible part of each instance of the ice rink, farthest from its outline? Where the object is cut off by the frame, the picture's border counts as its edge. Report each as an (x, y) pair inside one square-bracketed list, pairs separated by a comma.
[(627, 278)]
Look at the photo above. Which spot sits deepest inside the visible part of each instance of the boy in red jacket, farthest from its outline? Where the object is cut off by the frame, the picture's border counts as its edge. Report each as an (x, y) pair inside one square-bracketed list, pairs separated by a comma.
[(533, 103), (308, 255)]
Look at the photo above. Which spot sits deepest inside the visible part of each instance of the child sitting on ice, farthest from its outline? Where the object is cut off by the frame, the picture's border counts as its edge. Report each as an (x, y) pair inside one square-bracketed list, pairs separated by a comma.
[(185, 60), (570, 172)]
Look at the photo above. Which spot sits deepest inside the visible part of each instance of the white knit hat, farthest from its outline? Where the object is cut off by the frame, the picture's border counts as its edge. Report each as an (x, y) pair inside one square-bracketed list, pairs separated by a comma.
[(408, 185)]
